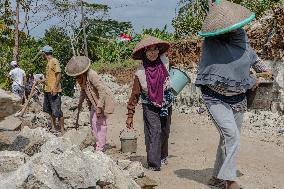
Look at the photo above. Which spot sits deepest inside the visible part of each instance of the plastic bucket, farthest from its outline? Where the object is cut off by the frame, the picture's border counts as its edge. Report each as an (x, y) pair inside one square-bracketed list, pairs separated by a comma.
[(179, 79)]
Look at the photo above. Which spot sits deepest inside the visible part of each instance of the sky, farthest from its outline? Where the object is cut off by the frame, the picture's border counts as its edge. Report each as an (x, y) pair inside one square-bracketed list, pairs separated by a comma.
[(141, 13)]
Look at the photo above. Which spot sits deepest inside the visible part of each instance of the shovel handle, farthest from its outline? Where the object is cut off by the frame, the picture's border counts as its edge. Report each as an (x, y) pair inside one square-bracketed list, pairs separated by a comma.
[(77, 120), (21, 113)]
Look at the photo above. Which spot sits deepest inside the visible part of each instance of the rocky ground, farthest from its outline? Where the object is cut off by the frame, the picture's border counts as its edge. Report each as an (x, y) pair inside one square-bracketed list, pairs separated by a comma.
[(39, 159)]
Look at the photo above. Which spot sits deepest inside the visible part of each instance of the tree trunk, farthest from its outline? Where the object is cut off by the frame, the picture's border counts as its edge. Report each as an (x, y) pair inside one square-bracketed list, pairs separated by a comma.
[(84, 29), (16, 47)]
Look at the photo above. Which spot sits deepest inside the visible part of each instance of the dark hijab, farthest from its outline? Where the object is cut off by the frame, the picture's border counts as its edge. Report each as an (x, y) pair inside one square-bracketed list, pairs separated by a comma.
[(226, 59)]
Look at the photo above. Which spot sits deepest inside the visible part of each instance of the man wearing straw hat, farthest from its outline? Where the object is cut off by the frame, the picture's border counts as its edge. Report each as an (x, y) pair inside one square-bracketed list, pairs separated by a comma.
[(52, 98), (152, 83), (99, 97), (224, 78)]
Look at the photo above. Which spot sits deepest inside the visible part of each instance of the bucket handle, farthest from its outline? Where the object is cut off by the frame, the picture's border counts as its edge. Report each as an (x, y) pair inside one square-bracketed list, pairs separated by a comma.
[(127, 130)]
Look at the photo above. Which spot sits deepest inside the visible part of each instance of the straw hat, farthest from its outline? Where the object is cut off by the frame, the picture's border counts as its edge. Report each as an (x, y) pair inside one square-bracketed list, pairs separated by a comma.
[(225, 16), (77, 65), (146, 42)]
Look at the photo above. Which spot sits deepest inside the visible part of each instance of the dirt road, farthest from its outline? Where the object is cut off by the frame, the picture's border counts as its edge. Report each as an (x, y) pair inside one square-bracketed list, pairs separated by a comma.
[(193, 143)]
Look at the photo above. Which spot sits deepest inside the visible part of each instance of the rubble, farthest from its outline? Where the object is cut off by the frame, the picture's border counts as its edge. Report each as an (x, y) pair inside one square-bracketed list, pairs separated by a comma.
[(11, 160), (29, 140), (185, 52), (82, 137), (267, 34), (59, 163), (9, 104), (10, 123), (264, 125)]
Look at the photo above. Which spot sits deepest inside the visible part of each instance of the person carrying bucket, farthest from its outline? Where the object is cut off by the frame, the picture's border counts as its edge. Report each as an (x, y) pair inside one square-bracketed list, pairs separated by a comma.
[(152, 84), (97, 94), (224, 78)]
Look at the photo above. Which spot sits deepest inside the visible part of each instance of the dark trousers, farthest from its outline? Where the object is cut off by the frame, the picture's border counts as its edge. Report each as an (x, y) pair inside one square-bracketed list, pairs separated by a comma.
[(157, 130)]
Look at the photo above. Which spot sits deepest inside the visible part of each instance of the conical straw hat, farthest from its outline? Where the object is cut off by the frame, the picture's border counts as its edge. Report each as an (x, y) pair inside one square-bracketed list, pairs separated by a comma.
[(146, 42), (225, 16), (77, 65)]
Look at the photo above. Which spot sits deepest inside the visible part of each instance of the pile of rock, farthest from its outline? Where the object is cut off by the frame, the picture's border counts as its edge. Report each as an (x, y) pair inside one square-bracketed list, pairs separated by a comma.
[(62, 163), (266, 34)]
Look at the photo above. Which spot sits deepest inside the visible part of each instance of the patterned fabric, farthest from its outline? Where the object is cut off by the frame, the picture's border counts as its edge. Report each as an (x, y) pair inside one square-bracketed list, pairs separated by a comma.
[(221, 89), (260, 66), (167, 101)]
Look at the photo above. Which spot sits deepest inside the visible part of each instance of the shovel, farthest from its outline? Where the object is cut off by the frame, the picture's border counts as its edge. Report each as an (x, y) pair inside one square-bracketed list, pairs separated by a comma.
[(21, 113)]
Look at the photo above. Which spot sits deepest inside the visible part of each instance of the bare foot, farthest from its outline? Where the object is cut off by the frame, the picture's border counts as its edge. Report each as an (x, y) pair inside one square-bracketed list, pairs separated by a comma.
[(232, 185)]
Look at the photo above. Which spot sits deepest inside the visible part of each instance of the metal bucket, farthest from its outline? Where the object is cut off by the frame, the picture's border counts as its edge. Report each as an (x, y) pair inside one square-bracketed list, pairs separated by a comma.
[(128, 139), (179, 79), (262, 97)]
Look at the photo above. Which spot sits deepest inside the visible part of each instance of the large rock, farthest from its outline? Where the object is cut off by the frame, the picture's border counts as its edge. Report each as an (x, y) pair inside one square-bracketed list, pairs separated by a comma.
[(11, 160), (10, 123), (133, 168), (82, 137), (62, 165), (121, 92), (9, 103), (29, 140)]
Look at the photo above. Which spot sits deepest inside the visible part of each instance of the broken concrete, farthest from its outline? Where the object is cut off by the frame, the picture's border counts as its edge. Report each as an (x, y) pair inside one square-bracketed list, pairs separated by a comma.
[(11, 160), (10, 123), (82, 137), (61, 164), (9, 104)]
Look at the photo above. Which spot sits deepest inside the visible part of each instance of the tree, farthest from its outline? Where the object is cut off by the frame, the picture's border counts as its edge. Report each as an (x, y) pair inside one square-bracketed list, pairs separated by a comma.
[(16, 32), (73, 15)]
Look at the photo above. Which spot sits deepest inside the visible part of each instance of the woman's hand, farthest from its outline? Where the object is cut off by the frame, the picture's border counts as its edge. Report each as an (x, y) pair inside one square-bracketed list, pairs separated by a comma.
[(100, 112), (255, 85), (129, 123)]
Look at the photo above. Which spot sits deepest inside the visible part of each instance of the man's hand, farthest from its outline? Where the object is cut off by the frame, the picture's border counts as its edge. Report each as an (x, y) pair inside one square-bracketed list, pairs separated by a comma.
[(54, 91), (129, 123)]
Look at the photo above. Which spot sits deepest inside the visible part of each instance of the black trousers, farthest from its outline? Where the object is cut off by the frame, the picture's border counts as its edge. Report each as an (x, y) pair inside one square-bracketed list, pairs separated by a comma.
[(156, 130)]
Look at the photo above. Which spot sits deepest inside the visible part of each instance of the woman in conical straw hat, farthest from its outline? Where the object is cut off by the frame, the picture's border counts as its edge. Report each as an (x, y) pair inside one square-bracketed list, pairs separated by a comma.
[(224, 78), (97, 94), (151, 83)]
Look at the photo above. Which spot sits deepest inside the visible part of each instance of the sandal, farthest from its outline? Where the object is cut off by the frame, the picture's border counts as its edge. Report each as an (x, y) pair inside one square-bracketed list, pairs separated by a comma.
[(154, 168), (216, 182)]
